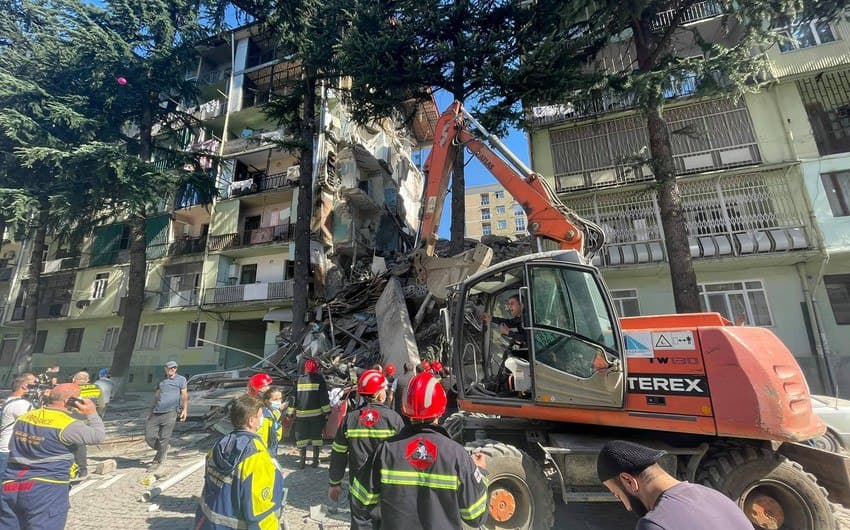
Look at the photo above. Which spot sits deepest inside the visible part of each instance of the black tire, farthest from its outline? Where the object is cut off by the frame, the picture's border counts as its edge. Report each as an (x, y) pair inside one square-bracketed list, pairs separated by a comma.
[(515, 472), (744, 473), (828, 442)]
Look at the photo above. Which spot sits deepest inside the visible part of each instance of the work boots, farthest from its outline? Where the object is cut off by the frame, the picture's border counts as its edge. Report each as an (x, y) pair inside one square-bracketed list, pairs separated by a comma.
[(315, 456), (303, 457)]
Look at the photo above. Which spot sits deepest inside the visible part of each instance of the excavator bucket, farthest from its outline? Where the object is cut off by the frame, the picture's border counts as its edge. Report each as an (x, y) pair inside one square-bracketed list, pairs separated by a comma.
[(441, 273)]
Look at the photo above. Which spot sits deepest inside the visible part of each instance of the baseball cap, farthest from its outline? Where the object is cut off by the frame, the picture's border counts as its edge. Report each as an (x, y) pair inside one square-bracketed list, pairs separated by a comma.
[(619, 456), (171, 364)]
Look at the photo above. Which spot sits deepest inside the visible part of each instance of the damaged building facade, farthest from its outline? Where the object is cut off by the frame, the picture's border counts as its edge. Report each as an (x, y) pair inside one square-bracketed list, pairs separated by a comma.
[(220, 270)]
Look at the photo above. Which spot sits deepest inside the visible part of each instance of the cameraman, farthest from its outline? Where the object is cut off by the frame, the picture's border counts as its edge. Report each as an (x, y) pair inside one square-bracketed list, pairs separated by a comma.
[(15, 405), (35, 486)]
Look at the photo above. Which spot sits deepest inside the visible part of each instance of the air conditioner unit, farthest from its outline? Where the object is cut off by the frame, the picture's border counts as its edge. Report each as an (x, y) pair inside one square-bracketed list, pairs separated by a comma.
[(83, 303)]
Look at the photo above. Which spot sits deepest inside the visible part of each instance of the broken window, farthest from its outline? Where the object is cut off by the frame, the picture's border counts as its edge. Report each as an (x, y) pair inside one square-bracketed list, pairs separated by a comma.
[(826, 98)]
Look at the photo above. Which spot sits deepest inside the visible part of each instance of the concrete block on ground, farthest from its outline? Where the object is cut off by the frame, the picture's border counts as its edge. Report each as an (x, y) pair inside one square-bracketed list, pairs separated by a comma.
[(106, 466)]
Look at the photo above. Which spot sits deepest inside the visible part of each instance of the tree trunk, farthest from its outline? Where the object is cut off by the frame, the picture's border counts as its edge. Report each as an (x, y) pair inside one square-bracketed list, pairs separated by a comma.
[(133, 305), (301, 289), (682, 275), (23, 357)]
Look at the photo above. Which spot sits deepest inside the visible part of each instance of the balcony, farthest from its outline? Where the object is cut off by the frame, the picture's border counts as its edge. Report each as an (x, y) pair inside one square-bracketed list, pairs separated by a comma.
[(252, 237), (726, 216), (61, 264), (692, 14), (47, 310), (181, 247), (252, 292), (261, 182), (185, 298), (210, 110), (253, 141)]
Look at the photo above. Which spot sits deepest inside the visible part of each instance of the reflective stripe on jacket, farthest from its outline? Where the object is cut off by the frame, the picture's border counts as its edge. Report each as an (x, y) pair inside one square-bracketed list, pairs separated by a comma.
[(362, 430), (271, 431), (420, 478), (37, 451), (311, 397)]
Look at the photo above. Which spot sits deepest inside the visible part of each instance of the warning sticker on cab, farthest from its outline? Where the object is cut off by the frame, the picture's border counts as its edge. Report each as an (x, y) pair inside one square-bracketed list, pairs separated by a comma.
[(639, 344), (672, 340)]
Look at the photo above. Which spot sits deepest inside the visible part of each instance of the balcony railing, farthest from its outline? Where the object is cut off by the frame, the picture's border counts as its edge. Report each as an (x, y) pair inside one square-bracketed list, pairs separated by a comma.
[(256, 236), (187, 245), (46, 310), (260, 183), (62, 264), (733, 215), (252, 292), (185, 298), (256, 140), (694, 13)]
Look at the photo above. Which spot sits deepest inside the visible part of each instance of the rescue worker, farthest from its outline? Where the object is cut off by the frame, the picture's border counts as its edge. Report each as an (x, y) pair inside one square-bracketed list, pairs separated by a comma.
[(311, 410), (259, 384), (243, 486), (36, 483), (271, 431), (420, 478), (93, 392), (362, 430)]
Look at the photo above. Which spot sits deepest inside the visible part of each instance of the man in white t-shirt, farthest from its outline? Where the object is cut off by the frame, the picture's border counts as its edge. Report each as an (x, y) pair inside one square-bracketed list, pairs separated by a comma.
[(16, 404)]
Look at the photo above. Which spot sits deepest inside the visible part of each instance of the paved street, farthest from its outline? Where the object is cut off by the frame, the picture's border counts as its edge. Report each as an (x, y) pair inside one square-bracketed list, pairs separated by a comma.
[(115, 500)]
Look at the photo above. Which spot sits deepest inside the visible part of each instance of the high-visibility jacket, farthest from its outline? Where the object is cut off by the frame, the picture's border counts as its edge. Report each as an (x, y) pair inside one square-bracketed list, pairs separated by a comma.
[(271, 431), (311, 397), (41, 445), (243, 486), (420, 478), (358, 437)]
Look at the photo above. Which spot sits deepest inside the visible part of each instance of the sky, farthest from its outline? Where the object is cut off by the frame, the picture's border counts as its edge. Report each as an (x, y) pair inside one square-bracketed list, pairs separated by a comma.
[(476, 174)]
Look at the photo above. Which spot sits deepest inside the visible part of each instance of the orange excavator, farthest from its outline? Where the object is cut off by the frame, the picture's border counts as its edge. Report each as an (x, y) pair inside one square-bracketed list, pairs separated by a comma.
[(542, 388)]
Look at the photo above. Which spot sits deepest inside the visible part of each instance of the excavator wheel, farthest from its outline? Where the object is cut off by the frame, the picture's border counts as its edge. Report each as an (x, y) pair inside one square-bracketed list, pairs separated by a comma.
[(520, 496), (775, 493)]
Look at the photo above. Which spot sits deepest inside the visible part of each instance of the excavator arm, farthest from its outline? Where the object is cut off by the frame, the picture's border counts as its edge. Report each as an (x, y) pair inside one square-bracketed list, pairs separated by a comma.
[(548, 217)]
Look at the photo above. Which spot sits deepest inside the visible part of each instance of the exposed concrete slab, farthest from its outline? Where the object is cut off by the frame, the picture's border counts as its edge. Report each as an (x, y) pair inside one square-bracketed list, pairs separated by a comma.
[(395, 332)]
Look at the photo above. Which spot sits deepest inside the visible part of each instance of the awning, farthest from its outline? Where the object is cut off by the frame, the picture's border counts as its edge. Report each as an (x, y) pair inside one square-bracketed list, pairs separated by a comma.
[(278, 315)]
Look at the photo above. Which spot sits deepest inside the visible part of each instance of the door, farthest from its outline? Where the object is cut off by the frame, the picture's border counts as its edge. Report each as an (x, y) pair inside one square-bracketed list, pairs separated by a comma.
[(575, 343)]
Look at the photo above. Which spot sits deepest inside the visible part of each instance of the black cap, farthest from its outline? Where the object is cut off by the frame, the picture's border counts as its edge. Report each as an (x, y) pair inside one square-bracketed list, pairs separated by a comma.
[(619, 456)]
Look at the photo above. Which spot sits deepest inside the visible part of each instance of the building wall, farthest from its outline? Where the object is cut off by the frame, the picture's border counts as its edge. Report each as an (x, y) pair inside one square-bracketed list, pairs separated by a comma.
[(473, 207)]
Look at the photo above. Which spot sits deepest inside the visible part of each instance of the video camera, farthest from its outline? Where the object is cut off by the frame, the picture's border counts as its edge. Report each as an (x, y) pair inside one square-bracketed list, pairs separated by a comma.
[(43, 382)]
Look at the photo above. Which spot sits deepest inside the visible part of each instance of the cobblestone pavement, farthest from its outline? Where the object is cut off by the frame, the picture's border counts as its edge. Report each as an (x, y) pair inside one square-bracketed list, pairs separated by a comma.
[(115, 500)]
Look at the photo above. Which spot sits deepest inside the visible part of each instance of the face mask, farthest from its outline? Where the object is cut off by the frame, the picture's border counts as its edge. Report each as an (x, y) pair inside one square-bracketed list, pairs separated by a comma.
[(274, 405), (316, 327)]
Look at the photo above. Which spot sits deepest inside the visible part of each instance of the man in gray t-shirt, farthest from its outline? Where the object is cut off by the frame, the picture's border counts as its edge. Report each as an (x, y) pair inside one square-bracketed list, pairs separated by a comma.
[(170, 401), (631, 472)]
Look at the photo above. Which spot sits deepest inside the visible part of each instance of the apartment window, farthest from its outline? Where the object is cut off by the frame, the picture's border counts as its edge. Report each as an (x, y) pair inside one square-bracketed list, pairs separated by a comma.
[(8, 347), (626, 302), (124, 241), (838, 291), (803, 34), (485, 213), (485, 199), (110, 339), (518, 211), (73, 339), (195, 332), (520, 224), (502, 225), (826, 98), (248, 273), (486, 229), (151, 336), (98, 288), (742, 303), (837, 187), (40, 341), (500, 194), (500, 210)]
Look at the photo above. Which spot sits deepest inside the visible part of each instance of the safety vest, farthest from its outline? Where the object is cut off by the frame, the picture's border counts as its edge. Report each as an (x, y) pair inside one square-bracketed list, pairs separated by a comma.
[(90, 391), (37, 451), (358, 437), (271, 430), (420, 479)]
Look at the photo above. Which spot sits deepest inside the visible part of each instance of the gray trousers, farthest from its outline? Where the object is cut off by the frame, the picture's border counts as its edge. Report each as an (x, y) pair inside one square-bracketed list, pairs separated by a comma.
[(158, 433)]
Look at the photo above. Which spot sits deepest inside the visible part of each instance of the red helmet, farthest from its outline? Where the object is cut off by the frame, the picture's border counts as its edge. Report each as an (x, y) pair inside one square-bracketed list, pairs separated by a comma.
[(425, 399), (311, 366), (371, 382), (257, 382), (390, 369), (426, 365), (437, 366)]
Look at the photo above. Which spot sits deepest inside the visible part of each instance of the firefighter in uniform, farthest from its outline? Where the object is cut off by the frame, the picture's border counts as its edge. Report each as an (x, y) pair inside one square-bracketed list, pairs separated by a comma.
[(362, 430), (311, 410), (243, 486), (259, 384), (36, 483), (420, 478)]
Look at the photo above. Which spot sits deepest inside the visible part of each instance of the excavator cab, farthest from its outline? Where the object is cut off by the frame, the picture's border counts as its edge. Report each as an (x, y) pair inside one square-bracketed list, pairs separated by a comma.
[(539, 330)]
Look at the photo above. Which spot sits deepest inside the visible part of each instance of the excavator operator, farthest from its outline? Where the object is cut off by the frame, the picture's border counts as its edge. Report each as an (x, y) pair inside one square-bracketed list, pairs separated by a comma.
[(510, 327)]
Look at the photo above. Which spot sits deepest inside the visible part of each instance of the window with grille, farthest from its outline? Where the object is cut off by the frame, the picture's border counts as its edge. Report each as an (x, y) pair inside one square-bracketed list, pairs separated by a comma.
[(110, 339), (73, 339), (98, 288), (826, 98), (195, 334), (486, 229), (799, 33), (150, 337), (838, 292), (40, 341), (485, 199), (626, 302), (837, 187), (485, 213), (742, 303)]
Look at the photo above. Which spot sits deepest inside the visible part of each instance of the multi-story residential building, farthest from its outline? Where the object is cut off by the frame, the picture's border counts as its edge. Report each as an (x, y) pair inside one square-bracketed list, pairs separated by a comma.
[(220, 270), (765, 183), (490, 210)]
